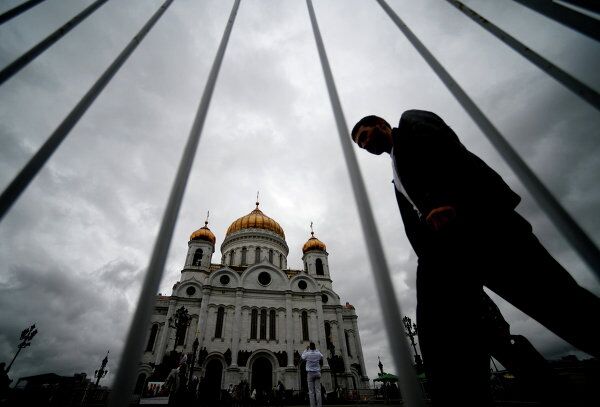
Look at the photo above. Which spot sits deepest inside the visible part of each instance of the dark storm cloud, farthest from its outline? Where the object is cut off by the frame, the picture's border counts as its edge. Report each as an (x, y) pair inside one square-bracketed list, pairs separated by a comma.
[(75, 244), (71, 311)]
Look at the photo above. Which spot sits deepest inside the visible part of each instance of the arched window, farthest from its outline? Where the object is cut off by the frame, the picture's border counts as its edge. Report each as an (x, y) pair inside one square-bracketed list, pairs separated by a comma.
[(181, 331), (328, 335), (319, 265), (272, 324), (271, 256), (139, 384), (253, 322), (152, 338), (244, 250), (197, 258), (223, 259), (348, 343), (257, 255), (263, 324), (280, 260), (304, 326), (231, 256), (219, 326)]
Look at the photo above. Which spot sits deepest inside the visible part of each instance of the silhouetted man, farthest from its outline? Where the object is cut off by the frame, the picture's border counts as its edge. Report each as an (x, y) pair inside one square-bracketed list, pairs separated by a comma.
[(463, 215)]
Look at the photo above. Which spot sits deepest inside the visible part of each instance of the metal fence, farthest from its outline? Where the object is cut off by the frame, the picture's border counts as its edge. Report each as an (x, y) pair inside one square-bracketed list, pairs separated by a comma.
[(410, 387)]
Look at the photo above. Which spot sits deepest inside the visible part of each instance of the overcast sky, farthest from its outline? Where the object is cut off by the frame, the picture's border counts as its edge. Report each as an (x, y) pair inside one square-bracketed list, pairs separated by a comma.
[(74, 247)]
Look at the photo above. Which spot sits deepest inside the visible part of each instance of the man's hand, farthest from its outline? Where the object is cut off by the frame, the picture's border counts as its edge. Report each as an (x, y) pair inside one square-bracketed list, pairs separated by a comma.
[(439, 217)]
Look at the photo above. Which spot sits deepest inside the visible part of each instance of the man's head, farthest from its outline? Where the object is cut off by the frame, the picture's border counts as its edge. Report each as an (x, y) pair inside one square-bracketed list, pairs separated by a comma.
[(312, 346), (373, 134)]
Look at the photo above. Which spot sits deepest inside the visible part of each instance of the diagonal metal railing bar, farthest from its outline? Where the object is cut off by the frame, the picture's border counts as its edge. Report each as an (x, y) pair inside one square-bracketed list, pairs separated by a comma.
[(573, 84), (15, 11), (562, 220), (392, 315), (132, 352), (566, 16), (19, 63), (592, 5), (35, 164)]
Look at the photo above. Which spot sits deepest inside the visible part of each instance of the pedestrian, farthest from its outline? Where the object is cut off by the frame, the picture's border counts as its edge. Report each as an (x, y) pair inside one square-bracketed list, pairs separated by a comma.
[(465, 213), (176, 384), (313, 373), (280, 391)]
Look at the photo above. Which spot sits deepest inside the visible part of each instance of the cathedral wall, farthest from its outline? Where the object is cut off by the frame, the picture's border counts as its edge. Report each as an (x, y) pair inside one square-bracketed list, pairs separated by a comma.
[(288, 296)]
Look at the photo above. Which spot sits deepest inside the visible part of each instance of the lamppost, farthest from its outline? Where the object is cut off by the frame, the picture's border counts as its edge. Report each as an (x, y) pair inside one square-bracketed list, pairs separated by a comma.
[(411, 331), (26, 337), (333, 365), (100, 373), (194, 350), (180, 320)]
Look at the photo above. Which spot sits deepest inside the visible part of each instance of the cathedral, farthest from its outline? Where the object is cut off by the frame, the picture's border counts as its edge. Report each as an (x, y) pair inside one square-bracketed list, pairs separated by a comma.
[(250, 317)]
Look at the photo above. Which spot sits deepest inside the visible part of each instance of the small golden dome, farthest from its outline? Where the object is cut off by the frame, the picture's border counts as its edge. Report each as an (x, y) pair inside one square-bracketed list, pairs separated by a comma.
[(255, 219), (204, 233), (313, 244)]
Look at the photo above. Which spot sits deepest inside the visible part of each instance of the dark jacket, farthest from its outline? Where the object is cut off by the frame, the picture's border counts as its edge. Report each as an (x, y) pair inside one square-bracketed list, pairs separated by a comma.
[(437, 170)]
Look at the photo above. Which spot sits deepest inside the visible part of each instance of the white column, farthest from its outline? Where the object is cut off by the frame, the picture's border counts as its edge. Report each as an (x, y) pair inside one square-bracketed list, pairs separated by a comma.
[(191, 333), (203, 317), (321, 330), (342, 336), (359, 352), (289, 330), (164, 337), (245, 325), (313, 327), (237, 322)]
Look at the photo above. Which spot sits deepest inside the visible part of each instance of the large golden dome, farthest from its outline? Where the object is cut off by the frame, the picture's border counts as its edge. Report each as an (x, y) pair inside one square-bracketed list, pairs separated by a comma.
[(313, 244), (255, 219), (204, 233)]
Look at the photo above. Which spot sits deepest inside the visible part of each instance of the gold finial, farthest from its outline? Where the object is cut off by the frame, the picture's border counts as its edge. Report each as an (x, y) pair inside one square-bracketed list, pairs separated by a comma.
[(257, 199), (312, 232), (207, 215)]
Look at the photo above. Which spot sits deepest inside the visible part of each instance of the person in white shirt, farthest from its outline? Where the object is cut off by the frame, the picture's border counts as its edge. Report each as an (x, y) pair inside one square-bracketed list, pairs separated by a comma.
[(313, 374)]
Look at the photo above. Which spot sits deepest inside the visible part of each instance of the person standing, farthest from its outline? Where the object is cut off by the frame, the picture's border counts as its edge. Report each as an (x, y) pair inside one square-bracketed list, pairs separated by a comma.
[(313, 358), (176, 383)]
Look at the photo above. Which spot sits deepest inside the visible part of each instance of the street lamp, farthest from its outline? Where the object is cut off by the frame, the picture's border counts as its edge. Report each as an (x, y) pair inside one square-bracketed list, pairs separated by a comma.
[(194, 350), (180, 320), (26, 337), (411, 331), (100, 373)]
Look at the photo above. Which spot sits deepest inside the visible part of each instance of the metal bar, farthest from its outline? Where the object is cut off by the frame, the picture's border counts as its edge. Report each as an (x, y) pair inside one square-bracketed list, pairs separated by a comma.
[(591, 5), (581, 89), (577, 21), (390, 308), (15, 11), (132, 352), (19, 63), (35, 164), (562, 220)]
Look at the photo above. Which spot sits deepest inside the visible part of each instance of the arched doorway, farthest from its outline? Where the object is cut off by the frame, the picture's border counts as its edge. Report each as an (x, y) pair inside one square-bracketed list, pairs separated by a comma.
[(139, 384), (214, 372), (262, 376)]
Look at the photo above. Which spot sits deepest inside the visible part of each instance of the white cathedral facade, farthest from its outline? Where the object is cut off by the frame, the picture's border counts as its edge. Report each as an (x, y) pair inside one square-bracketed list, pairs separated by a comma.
[(252, 316)]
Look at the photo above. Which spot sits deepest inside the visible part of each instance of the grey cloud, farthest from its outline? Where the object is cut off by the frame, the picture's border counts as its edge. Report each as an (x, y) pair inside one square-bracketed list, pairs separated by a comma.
[(91, 217)]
